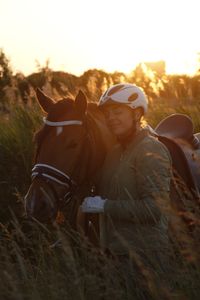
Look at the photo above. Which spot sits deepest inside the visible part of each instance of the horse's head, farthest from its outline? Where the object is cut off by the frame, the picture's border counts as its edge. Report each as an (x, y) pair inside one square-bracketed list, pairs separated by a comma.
[(59, 150), (66, 147)]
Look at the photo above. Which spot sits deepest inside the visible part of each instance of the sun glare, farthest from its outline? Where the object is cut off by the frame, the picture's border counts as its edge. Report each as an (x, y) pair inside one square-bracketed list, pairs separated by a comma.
[(111, 35), (185, 63)]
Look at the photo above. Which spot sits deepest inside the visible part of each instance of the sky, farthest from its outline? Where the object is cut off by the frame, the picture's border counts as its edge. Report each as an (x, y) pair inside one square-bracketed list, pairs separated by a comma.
[(113, 35)]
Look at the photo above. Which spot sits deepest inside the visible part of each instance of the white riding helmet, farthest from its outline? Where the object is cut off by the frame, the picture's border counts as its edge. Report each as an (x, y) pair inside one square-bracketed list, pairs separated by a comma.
[(125, 93)]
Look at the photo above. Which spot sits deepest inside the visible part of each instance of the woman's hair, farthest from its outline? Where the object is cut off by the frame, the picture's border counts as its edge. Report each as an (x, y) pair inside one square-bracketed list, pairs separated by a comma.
[(143, 122)]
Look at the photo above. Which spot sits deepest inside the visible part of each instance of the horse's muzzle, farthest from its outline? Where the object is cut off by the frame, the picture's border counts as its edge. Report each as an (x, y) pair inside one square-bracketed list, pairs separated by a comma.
[(40, 203)]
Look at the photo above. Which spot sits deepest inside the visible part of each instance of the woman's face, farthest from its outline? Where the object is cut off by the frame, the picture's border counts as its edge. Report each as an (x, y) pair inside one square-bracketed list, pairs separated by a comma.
[(120, 119)]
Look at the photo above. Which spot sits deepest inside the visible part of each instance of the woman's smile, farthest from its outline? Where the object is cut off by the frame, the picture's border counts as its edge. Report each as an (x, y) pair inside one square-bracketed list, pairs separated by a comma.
[(119, 118)]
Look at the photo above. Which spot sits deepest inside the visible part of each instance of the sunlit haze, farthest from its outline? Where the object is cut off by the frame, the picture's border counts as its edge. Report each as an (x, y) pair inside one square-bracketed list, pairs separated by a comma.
[(112, 35)]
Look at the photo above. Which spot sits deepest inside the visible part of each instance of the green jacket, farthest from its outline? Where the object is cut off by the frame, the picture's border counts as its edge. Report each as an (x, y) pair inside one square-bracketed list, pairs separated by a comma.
[(136, 182)]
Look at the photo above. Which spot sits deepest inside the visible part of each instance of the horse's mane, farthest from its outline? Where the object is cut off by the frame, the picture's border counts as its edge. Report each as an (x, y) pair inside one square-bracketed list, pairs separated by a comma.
[(96, 115)]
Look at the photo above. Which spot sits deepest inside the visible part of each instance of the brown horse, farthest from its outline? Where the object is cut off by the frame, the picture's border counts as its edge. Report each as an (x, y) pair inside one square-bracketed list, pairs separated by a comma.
[(71, 148)]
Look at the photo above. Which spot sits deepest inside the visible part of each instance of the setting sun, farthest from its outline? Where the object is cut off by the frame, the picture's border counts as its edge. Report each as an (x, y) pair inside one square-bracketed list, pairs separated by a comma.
[(111, 35)]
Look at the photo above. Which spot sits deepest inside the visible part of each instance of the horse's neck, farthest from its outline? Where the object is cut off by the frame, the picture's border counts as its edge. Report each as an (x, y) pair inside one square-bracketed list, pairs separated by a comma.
[(105, 135)]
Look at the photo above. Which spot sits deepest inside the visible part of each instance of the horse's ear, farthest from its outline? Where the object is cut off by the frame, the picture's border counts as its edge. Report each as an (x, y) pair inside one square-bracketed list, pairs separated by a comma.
[(81, 102), (44, 101)]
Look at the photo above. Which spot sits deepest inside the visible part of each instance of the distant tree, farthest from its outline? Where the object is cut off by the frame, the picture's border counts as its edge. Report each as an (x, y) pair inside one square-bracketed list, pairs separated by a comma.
[(119, 77), (23, 87), (95, 82), (5, 70), (65, 84), (5, 79), (143, 77)]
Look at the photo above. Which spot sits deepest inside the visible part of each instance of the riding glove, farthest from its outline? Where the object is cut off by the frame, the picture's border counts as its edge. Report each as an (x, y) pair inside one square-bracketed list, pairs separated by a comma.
[(93, 204)]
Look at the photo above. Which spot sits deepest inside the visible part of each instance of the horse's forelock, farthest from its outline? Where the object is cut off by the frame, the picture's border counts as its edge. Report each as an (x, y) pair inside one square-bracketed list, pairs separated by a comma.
[(64, 107), (61, 108)]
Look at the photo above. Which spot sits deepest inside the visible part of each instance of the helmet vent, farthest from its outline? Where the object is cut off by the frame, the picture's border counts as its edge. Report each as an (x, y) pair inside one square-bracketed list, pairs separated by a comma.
[(115, 89), (133, 97)]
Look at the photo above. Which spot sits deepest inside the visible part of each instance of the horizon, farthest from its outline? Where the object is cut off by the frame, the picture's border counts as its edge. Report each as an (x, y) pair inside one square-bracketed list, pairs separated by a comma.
[(77, 36), (47, 63)]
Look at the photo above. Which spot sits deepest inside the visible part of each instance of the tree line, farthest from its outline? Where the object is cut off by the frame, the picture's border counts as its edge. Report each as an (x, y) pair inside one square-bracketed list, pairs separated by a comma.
[(160, 87)]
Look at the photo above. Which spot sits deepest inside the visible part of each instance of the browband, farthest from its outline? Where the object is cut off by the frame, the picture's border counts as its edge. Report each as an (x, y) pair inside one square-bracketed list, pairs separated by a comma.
[(62, 123)]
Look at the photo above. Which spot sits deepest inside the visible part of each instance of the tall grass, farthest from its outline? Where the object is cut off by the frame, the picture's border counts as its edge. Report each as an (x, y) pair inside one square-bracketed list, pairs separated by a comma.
[(159, 110), (32, 268), (56, 273), (16, 154)]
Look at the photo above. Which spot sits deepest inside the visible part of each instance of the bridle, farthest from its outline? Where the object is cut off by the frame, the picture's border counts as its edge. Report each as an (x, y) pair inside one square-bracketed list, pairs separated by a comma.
[(51, 174)]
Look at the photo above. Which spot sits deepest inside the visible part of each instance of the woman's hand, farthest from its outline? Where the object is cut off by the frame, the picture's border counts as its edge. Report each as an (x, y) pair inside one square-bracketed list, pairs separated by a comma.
[(93, 204)]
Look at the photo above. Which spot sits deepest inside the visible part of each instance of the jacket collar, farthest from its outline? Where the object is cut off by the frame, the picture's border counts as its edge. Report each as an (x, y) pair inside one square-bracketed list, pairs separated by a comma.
[(133, 139)]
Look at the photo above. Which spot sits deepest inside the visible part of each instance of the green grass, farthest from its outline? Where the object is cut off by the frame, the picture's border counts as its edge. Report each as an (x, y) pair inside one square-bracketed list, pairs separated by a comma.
[(16, 155)]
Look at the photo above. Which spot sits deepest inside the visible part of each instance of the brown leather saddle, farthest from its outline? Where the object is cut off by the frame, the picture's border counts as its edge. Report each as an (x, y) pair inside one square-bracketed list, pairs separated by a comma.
[(176, 133)]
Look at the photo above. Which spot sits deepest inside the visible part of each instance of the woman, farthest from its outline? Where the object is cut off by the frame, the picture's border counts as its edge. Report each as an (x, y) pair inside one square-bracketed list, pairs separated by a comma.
[(134, 185)]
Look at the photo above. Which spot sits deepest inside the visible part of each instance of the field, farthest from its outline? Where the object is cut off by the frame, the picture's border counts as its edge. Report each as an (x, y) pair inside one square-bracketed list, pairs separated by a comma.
[(32, 267)]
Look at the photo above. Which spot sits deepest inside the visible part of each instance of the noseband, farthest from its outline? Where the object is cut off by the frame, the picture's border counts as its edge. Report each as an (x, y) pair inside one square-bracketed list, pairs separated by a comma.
[(51, 174)]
